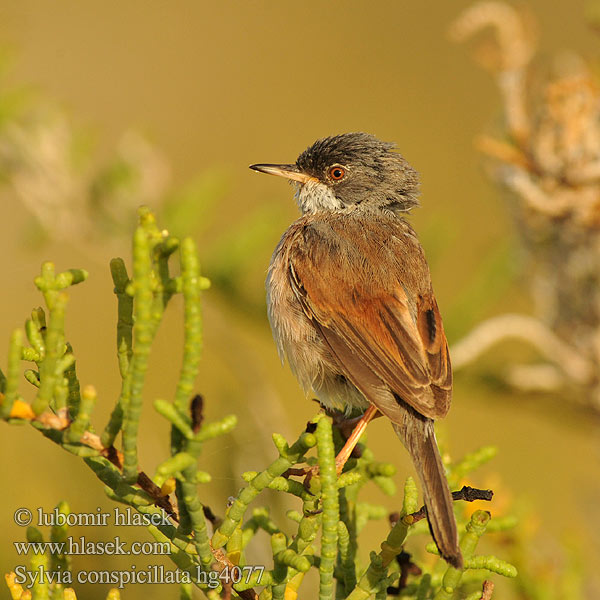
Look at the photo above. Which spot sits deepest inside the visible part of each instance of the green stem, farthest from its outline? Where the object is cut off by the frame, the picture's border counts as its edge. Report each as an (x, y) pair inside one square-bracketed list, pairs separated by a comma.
[(49, 371), (348, 517), (11, 385), (236, 511), (280, 569), (331, 511), (190, 274), (82, 418), (124, 347), (33, 330), (40, 589), (74, 389), (195, 512), (370, 582), (475, 529), (142, 334)]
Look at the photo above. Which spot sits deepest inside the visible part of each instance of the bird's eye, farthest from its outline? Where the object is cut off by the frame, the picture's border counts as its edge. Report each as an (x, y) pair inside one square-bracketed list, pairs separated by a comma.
[(337, 173)]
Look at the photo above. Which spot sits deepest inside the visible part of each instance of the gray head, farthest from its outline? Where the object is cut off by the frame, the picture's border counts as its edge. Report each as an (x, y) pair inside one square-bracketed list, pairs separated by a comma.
[(346, 170)]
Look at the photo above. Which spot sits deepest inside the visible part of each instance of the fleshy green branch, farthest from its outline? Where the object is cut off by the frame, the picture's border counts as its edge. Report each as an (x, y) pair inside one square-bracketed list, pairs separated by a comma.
[(192, 516), (112, 477), (475, 529), (185, 591), (191, 511), (348, 516), (260, 519), (35, 329), (280, 569), (142, 334), (124, 347), (348, 569), (411, 497), (424, 587), (32, 377), (373, 577), (82, 418), (208, 431), (40, 589), (11, 385), (55, 347), (195, 512), (307, 529), (121, 280), (180, 556), (491, 563), (192, 284), (74, 390), (287, 458), (174, 465), (54, 358), (281, 484), (331, 509), (51, 285), (59, 534), (177, 419)]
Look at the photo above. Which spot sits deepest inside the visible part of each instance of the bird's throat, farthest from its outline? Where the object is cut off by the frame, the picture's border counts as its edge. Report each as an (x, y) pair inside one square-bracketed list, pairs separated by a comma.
[(315, 196)]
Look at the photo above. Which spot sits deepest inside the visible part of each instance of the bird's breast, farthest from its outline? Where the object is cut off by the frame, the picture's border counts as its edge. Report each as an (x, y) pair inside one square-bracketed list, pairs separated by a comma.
[(297, 340)]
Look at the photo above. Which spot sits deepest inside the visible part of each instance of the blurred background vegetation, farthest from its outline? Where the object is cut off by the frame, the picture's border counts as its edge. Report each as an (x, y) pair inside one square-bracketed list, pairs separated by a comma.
[(107, 105)]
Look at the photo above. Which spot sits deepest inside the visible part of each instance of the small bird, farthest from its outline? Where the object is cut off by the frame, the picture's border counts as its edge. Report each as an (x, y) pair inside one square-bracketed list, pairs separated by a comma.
[(352, 308)]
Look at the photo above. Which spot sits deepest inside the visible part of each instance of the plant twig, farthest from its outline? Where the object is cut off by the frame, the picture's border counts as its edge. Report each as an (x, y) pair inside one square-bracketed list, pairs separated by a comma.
[(488, 589), (467, 493), (528, 329)]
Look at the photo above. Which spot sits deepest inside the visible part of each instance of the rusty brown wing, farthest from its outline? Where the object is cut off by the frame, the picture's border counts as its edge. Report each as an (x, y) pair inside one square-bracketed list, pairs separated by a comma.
[(384, 335)]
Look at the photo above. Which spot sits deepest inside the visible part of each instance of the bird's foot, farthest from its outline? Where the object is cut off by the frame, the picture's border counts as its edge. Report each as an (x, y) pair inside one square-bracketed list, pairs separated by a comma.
[(355, 427)]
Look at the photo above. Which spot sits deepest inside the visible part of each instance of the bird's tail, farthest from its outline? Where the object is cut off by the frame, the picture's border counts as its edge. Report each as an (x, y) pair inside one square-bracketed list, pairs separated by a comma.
[(417, 434)]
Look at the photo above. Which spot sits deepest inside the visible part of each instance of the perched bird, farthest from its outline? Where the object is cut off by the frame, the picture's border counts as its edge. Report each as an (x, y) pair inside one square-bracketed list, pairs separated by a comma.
[(352, 308)]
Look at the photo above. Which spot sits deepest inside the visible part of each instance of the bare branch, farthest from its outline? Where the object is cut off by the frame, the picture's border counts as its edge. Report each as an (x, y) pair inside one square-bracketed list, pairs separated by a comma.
[(466, 493), (530, 330)]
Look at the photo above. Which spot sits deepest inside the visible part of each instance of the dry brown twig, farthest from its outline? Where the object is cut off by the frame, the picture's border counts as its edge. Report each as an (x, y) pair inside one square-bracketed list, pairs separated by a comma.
[(466, 493), (549, 158), (488, 590)]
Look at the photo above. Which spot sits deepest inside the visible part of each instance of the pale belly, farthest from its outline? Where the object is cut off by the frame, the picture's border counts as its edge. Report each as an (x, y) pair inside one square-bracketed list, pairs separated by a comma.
[(300, 344)]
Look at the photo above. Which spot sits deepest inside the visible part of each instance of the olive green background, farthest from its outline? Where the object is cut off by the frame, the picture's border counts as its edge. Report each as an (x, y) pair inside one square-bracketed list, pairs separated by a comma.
[(217, 86)]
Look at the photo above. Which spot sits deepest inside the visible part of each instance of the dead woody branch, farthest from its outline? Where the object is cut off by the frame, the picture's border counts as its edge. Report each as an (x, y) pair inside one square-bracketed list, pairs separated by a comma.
[(548, 157)]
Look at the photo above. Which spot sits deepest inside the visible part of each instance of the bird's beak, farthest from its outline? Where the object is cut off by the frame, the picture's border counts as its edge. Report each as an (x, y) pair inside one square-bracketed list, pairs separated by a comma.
[(288, 171)]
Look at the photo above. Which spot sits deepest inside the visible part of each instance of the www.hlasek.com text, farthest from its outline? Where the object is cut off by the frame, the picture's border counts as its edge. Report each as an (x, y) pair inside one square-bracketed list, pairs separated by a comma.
[(83, 546)]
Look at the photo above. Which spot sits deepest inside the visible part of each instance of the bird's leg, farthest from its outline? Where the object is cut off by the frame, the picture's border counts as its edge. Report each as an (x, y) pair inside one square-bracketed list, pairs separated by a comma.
[(358, 426), (359, 429)]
